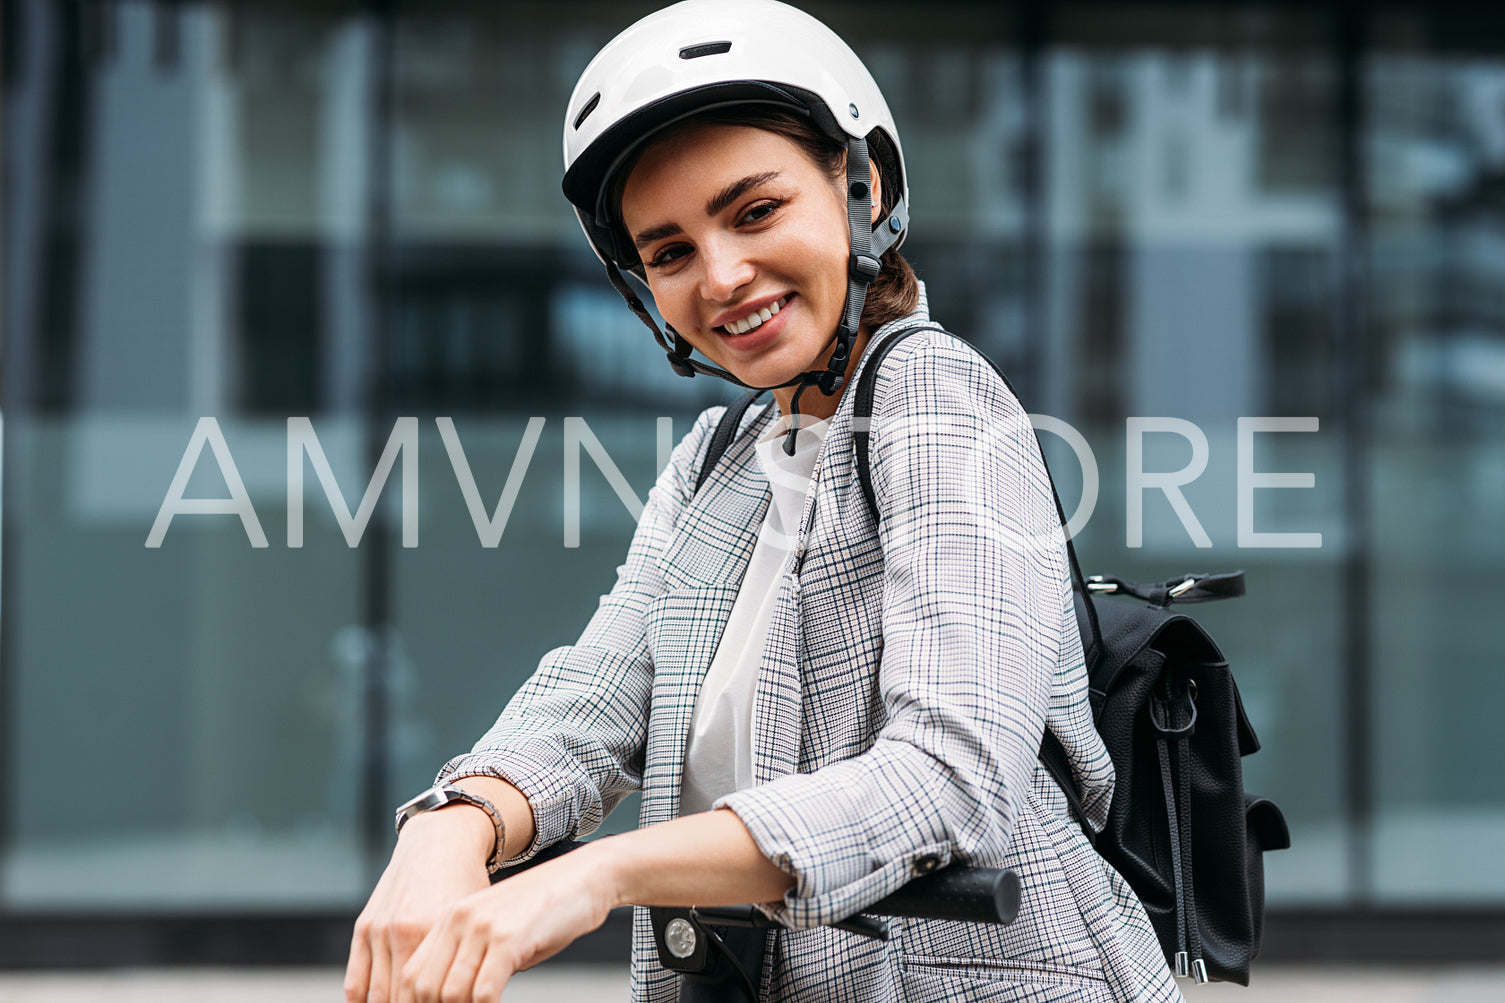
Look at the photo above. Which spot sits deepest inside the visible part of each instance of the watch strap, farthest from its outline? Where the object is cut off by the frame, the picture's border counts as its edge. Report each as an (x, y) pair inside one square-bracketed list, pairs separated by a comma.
[(445, 795)]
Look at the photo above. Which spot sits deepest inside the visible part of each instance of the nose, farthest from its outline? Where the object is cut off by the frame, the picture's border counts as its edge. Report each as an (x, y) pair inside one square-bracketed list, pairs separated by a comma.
[(724, 270)]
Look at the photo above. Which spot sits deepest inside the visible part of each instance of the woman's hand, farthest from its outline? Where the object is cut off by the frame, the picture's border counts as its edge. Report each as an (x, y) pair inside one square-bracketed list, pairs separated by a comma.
[(440, 859), (472, 952), (485, 938), (435, 863)]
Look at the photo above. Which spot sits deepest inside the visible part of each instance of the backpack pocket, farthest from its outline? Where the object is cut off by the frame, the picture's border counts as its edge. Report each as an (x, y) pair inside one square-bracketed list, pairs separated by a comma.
[(1264, 829)]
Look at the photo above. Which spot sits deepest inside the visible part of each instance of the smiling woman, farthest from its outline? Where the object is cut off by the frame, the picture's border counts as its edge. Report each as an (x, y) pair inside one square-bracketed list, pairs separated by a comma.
[(895, 291), (818, 706)]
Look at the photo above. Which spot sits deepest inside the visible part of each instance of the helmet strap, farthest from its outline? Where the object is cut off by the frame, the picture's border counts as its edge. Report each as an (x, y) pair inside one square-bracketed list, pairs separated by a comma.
[(863, 265), (679, 350)]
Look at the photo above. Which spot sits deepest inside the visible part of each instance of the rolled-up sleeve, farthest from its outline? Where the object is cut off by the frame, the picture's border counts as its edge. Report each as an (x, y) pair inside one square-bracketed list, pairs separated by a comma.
[(572, 738), (974, 593)]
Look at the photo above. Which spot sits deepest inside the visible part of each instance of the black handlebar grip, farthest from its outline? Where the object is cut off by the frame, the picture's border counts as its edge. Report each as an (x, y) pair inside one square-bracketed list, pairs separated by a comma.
[(969, 894)]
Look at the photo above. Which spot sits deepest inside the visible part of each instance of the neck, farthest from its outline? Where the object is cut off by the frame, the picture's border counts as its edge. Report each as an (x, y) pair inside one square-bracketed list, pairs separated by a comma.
[(814, 404)]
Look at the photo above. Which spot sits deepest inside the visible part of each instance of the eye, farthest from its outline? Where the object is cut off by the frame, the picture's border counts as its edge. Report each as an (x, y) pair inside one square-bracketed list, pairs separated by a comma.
[(668, 255), (760, 211)]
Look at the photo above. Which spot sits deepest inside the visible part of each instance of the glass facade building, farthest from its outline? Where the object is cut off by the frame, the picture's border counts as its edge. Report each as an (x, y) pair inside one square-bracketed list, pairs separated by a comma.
[(1249, 257)]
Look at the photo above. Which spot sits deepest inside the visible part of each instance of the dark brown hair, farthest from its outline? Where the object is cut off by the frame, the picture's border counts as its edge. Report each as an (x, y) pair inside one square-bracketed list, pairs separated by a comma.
[(895, 292)]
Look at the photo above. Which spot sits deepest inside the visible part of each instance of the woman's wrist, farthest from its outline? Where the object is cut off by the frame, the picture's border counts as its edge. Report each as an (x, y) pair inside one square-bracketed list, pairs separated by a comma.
[(458, 824), (462, 822), (515, 809), (608, 867)]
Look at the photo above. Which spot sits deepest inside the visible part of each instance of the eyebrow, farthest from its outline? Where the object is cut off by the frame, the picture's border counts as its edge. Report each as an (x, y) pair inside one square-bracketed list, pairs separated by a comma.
[(714, 205), (736, 190)]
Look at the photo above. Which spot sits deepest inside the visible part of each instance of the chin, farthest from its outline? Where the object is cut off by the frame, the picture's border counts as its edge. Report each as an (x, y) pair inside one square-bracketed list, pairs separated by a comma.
[(768, 376), (780, 369)]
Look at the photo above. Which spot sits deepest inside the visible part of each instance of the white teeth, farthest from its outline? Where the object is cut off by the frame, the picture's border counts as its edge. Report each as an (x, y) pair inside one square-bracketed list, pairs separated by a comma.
[(756, 319)]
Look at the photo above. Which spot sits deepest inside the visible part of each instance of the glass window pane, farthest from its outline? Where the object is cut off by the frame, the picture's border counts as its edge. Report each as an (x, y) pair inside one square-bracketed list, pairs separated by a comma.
[(1435, 147), (1193, 233), (194, 689)]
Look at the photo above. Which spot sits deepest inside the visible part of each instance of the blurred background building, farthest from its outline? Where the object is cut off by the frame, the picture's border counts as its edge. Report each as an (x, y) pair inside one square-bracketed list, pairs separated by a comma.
[(350, 213)]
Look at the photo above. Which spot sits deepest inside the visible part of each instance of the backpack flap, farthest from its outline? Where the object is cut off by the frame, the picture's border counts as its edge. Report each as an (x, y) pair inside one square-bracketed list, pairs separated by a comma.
[(1128, 629), (1248, 742)]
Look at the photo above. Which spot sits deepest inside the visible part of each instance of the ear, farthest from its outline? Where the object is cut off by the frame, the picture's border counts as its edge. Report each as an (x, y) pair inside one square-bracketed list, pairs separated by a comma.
[(875, 183)]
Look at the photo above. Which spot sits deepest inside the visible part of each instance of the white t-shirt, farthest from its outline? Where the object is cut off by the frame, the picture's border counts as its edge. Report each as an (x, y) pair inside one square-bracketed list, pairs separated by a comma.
[(718, 758)]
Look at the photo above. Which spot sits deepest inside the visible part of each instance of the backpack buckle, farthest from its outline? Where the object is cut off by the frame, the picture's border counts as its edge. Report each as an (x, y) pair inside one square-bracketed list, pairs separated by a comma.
[(1160, 722)]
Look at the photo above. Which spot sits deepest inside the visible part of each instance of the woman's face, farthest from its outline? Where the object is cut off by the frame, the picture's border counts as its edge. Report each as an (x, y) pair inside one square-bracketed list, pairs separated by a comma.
[(744, 243)]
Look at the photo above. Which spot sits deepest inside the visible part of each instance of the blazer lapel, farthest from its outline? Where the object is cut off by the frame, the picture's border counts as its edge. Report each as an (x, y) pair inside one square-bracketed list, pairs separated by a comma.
[(716, 534)]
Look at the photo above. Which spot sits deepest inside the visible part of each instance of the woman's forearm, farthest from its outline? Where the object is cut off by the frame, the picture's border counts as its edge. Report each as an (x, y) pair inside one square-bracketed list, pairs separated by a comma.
[(704, 859)]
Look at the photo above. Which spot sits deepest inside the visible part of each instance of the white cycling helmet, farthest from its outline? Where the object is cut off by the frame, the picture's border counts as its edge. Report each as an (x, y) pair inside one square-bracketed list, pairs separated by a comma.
[(703, 55)]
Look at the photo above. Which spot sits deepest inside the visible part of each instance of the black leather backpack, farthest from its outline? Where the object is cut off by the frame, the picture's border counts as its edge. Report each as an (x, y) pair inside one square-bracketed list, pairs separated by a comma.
[(1180, 828)]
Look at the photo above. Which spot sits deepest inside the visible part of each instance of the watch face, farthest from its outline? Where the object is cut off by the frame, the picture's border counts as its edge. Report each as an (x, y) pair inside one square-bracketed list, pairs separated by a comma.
[(428, 800)]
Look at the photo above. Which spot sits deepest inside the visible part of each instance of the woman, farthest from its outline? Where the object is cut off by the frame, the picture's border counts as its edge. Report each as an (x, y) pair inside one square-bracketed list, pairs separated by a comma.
[(817, 707)]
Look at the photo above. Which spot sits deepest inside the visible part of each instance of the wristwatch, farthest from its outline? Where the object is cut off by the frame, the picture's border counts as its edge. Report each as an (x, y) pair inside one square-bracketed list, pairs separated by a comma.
[(442, 795)]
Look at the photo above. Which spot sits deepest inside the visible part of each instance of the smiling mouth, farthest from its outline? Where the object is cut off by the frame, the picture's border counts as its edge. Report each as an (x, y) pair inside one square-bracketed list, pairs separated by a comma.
[(757, 318)]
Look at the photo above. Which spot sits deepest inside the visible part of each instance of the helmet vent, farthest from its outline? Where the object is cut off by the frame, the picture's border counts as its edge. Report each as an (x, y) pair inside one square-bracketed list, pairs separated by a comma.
[(704, 49), (590, 106)]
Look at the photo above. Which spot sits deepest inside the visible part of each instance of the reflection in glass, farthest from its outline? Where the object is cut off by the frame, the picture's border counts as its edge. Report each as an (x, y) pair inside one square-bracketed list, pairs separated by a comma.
[(1436, 154), (1193, 224)]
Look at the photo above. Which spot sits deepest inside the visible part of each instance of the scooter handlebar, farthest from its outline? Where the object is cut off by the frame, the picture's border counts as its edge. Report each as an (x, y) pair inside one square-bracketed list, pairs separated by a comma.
[(968, 894)]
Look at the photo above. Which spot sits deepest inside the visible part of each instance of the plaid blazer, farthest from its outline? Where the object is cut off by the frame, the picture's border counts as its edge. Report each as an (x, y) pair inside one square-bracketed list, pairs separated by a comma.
[(909, 671)]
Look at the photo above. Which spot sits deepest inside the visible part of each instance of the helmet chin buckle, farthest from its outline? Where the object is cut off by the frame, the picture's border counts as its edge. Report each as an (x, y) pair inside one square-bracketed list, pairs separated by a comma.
[(679, 356), (831, 380), (864, 268)]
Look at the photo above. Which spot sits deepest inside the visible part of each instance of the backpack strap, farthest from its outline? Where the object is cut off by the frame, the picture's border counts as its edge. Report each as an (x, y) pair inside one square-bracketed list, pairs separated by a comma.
[(1187, 588), (862, 409), (1053, 757), (721, 439)]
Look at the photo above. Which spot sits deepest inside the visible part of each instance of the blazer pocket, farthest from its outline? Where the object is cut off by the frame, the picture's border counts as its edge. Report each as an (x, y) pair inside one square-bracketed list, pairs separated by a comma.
[(684, 627), (1009, 954), (923, 980)]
